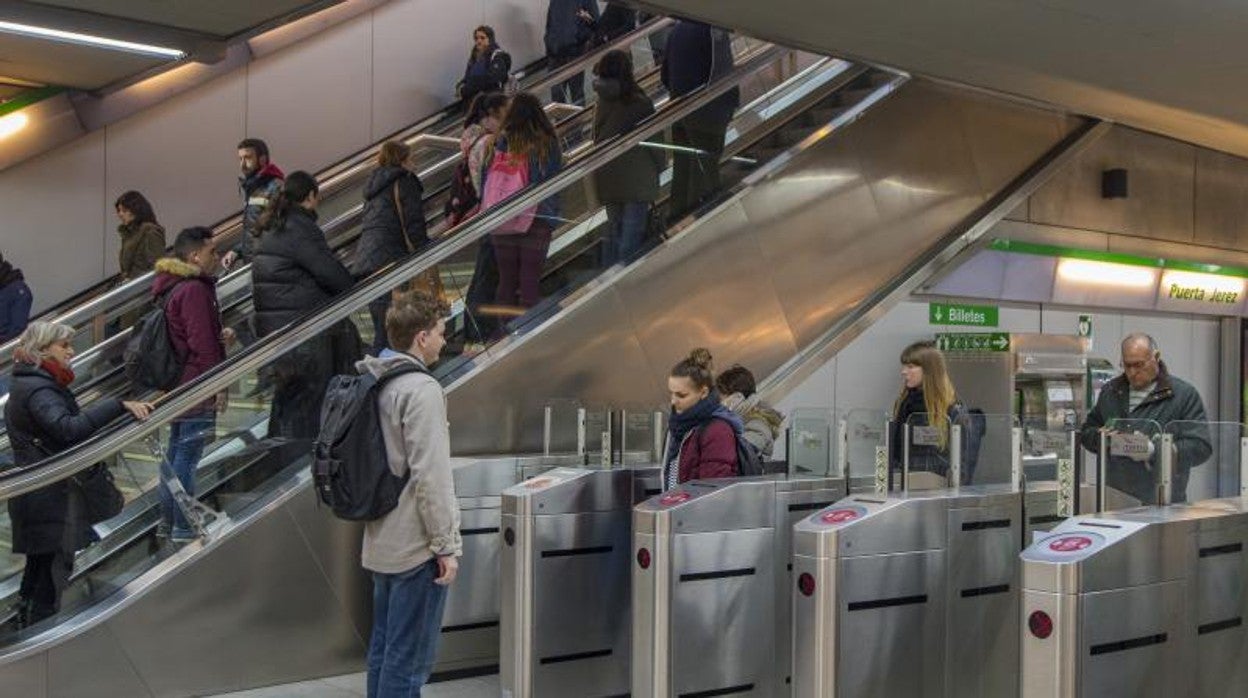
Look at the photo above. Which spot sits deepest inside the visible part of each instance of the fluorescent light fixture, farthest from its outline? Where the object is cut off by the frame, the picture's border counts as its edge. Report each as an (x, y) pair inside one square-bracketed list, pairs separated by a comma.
[(90, 40), (1105, 273), (12, 123)]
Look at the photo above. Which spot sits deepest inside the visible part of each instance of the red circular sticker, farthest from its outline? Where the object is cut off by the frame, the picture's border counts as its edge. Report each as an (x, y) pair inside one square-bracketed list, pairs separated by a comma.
[(838, 516), (674, 498), (1070, 544), (538, 483)]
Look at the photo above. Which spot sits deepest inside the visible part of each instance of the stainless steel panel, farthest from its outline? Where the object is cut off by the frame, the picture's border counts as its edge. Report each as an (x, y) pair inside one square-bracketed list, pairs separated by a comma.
[(894, 650), (982, 594), (1161, 183), (262, 580), (1219, 609), (111, 673), (815, 636), (1049, 666), (919, 525), (1006, 137), (516, 614), (27, 677), (1221, 200), (470, 634), (717, 505), (582, 607), (1126, 615), (729, 614), (650, 640)]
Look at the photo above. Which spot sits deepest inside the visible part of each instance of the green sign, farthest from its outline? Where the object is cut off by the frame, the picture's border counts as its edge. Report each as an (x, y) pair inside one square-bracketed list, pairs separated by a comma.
[(977, 341), (961, 314)]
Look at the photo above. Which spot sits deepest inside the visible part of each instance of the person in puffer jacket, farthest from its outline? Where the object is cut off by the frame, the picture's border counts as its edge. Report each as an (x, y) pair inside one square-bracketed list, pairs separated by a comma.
[(701, 432), (761, 420)]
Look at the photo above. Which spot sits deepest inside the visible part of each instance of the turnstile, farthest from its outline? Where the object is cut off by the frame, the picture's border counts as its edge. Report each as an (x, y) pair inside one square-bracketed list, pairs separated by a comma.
[(1144, 602), (565, 581), (711, 585), (909, 594)]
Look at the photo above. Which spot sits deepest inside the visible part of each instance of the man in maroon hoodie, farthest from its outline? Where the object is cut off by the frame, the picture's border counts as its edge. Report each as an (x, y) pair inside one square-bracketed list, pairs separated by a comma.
[(194, 322)]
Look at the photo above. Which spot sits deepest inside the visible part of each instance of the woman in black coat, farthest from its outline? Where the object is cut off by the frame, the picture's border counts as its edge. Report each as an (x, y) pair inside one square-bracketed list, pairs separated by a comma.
[(293, 273), (488, 69), (393, 225), (44, 418)]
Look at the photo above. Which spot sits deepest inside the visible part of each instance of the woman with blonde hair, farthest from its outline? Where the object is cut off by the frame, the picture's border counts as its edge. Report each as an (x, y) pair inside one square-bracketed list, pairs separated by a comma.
[(44, 419), (927, 399)]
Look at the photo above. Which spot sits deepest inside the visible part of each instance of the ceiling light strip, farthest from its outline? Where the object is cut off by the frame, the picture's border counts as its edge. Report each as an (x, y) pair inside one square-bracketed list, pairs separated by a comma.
[(1004, 245), (90, 40)]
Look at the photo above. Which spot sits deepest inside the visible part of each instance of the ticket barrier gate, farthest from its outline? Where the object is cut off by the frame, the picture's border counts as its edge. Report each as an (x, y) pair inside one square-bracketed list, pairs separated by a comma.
[(909, 594), (711, 585), (1144, 602), (565, 581)]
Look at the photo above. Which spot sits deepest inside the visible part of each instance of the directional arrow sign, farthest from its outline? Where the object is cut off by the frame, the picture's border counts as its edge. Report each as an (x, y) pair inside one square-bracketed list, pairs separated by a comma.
[(983, 341)]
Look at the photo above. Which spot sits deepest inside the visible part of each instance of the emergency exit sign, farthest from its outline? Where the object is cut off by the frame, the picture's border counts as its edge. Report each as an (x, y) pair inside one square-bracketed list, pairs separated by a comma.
[(982, 341), (961, 314)]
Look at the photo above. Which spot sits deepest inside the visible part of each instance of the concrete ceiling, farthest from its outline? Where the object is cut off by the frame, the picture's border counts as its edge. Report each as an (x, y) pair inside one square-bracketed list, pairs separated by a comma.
[(201, 28), (1171, 67)]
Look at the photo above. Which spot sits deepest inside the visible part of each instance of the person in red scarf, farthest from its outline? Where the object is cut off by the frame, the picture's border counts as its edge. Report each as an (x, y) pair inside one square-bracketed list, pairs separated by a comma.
[(44, 419)]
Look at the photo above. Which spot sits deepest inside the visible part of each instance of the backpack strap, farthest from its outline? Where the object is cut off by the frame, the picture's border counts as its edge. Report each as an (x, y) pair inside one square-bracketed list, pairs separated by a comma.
[(398, 207), (406, 368), (163, 299)]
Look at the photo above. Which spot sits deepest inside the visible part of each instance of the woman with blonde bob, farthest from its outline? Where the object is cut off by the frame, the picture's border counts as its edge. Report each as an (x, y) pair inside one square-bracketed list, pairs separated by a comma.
[(44, 419), (927, 399)]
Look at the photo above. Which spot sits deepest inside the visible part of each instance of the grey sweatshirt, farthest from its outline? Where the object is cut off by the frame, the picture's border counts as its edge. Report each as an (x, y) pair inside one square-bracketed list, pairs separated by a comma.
[(426, 521)]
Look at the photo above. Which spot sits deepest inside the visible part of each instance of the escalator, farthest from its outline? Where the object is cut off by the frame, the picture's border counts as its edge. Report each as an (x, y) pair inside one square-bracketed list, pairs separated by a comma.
[(831, 201)]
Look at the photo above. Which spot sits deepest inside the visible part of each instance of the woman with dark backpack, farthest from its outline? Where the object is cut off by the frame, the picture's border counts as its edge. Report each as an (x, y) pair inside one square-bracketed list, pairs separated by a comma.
[(702, 433), (629, 185), (393, 224), (488, 69)]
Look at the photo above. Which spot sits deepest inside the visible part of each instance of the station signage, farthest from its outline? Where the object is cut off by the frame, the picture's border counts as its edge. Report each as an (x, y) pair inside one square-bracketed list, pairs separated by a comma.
[(1194, 292), (973, 341), (962, 314)]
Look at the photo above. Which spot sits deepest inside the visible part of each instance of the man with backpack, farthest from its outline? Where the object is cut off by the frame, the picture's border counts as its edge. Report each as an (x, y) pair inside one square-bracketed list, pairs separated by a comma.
[(185, 288), (412, 550)]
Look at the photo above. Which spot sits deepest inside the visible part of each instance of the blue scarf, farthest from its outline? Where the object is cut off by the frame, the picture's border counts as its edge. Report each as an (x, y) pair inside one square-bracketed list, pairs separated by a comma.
[(681, 423)]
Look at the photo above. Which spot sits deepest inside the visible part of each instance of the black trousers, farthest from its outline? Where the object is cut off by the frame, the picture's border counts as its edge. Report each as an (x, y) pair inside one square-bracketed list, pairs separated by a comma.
[(695, 176), (43, 580)]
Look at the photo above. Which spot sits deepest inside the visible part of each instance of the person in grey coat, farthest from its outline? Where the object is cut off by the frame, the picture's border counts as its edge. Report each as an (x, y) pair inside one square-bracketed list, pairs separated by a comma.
[(1146, 391), (762, 421), (629, 185)]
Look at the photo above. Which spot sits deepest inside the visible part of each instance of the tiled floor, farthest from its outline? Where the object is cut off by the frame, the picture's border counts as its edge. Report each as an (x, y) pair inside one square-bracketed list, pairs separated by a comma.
[(353, 686)]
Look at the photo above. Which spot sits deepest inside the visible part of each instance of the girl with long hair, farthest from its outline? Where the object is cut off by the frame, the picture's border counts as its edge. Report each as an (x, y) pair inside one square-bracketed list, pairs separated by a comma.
[(927, 399), (488, 66)]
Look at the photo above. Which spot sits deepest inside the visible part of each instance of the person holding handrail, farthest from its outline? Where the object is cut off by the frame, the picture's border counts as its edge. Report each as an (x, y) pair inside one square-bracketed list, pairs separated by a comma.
[(44, 419)]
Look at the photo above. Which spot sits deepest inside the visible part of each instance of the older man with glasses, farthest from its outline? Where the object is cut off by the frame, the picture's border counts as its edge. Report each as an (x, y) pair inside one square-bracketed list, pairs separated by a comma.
[(1147, 391)]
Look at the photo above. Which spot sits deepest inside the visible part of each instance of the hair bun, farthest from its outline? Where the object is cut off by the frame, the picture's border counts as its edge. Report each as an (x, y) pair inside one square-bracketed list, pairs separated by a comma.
[(701, 357)]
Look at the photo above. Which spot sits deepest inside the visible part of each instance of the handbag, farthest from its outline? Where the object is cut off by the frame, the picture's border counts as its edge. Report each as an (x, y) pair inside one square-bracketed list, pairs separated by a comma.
[(428, 281), (100, 497)]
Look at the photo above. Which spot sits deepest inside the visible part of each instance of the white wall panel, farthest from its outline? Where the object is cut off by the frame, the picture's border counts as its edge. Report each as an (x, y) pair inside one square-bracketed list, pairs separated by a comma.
[(312, 102), (53, 213), (409, 80), (205, 189), (520, 25)]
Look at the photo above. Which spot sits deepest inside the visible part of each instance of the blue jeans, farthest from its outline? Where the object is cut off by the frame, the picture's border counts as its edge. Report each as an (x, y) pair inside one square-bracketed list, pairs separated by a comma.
[(626, 230), (407, 618), (187, 437)]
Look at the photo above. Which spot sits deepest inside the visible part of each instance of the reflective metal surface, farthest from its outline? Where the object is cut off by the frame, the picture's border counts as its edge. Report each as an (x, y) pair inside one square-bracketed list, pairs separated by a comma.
[(910, 594), (888, 207)]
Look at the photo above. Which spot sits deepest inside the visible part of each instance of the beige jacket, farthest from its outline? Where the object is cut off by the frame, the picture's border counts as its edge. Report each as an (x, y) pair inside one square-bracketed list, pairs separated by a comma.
[(426, 521)]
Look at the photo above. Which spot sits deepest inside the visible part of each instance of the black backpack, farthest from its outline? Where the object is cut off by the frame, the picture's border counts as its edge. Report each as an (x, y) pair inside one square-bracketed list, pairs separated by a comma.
[(150, 359), (464, 198), (350, 468), (749, 460)]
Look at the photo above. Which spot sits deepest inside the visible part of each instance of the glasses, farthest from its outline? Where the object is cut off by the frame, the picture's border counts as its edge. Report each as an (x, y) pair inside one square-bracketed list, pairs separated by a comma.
[(1134, 365)]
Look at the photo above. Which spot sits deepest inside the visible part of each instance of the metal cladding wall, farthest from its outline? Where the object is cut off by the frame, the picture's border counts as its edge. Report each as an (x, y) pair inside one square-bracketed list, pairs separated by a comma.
[(769, 271)]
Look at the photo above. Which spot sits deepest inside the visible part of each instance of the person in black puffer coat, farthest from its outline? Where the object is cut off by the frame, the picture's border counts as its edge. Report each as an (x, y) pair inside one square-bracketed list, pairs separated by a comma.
[(293, 273), (393, 225), (43, 419)]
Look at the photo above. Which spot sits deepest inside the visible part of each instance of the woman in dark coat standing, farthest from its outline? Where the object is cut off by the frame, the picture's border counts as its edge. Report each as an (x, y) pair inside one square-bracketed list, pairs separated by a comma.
[(701, 432), (488, 69), (43, 419), (393, 225), (294, 272), (629, 185)]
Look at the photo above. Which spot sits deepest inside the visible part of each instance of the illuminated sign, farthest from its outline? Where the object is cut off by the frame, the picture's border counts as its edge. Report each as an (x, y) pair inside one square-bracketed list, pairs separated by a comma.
[(1188, 290)]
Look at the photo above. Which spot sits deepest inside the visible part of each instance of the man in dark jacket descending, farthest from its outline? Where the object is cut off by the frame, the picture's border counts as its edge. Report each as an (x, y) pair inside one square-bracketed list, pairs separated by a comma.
[(1147, 391), (194, 323), (569, 30), (15, 300), (259, 181), (696, 55)]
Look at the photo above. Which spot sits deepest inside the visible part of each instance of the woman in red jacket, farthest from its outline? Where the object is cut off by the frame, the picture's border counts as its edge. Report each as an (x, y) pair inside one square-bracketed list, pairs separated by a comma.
[(702, 434)]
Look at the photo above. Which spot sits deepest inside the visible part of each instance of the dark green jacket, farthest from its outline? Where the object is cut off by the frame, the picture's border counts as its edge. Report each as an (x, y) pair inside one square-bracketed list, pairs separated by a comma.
[(1172, 400)]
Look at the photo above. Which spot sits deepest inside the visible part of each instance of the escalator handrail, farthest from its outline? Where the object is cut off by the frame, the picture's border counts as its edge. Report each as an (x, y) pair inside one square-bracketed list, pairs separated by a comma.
[(330, 177), (22, 480)]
